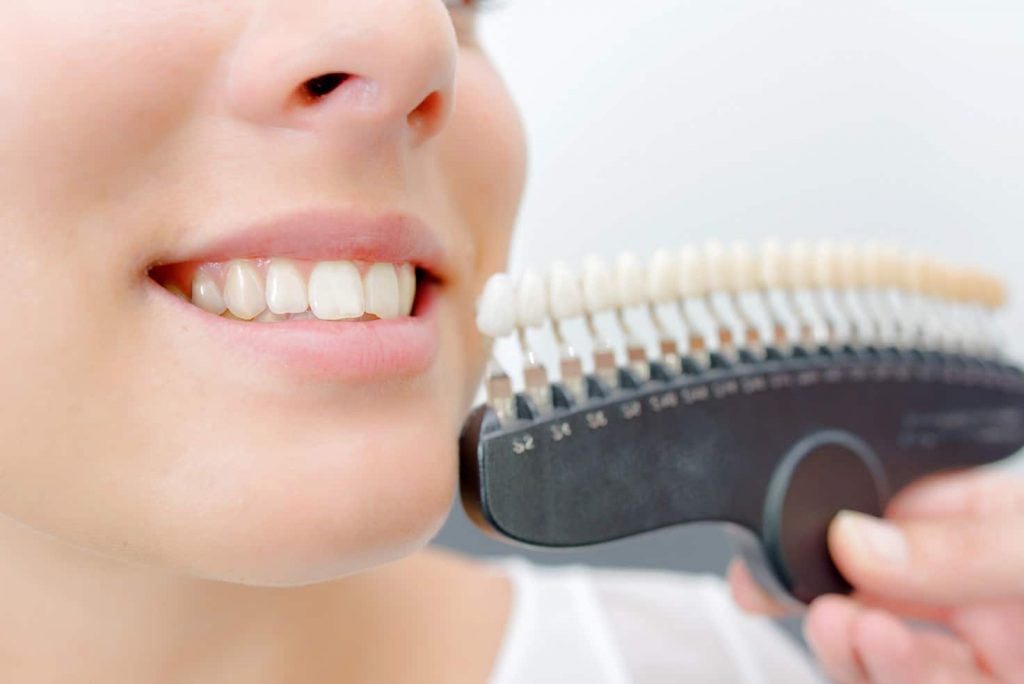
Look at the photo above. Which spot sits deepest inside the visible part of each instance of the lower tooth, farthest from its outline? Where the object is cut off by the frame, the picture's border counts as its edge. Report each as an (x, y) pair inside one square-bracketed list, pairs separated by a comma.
[(304, 316)]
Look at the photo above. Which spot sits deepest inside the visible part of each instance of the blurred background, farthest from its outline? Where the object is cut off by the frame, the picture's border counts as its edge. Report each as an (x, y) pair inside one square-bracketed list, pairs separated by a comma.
[(657, 123)]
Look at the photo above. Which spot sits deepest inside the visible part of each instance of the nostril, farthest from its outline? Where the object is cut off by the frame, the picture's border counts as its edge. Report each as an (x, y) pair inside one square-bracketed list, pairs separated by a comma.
[(315, 88), (427, 111)]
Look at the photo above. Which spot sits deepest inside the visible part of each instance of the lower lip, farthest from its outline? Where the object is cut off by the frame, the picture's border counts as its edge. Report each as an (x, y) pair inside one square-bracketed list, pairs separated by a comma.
[(341, 351)]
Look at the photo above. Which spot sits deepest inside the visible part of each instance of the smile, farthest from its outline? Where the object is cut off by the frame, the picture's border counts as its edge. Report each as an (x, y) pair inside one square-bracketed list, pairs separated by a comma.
[(337, 296)]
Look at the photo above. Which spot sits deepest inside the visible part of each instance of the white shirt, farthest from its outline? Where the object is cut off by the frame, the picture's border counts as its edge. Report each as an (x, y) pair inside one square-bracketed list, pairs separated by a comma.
[(574, 623)]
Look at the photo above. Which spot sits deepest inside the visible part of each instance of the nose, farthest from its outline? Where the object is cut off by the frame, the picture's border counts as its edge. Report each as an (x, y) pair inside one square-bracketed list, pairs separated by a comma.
[(362, 69)]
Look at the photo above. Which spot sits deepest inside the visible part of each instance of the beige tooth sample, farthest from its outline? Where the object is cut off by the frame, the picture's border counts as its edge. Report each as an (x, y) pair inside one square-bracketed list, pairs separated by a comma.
[(243, 290), (286, 288), (205, 293), (380, 288), (406, 289), (335, 291)]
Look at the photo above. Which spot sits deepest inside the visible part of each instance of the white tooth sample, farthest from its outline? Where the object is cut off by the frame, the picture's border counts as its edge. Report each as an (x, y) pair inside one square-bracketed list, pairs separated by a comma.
[(690, 269), (205, 293), (771, 265), (871, 264), (335, 291), (565, 300), (825, 271), (744, 267), (286, 288), (716, 265), (662, 278), (630, 281), (406, 289), (598, 285), (380, 287), (496, 308), (799, 265), (531, 300), (243, 290), (914, 273), (848, 266), (892, 266)]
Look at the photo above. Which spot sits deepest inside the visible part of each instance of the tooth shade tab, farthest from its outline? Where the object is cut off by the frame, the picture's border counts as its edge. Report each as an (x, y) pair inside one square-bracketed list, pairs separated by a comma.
[(771, 265), (716, 266), (691, 273), (662, 277), (565, 300), (496, 308), (531, 300), (630, 281), (799, 266), (598, 285), (825, 271), (744, 267)]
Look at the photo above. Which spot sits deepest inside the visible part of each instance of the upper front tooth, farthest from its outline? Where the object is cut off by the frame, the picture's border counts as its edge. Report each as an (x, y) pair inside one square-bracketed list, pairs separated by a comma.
[(336, 290), (286, 288), (243, 290), (205, 293), (381, 289), (406, 289)]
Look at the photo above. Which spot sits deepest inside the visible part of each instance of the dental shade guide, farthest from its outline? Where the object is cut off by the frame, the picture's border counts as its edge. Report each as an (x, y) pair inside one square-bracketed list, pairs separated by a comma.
[(893, 371)]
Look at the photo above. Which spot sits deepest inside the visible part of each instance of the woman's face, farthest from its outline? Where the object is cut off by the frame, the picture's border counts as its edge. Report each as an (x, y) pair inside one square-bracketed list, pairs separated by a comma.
[(146, 146)]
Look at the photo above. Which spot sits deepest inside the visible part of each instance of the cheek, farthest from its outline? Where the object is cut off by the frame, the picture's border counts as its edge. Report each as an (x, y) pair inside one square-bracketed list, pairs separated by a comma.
[(82, 129), (485, 149)]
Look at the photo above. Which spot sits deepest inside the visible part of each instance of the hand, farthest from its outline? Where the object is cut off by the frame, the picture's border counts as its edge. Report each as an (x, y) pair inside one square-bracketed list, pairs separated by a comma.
[(951, 552)]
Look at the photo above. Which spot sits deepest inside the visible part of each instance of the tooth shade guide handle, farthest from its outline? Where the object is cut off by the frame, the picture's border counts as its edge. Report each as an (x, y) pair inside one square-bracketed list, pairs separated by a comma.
[(660, 449)]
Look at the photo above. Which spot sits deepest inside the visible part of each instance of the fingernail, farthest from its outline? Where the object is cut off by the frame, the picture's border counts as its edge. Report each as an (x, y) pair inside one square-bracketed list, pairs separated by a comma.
[(884, 541)]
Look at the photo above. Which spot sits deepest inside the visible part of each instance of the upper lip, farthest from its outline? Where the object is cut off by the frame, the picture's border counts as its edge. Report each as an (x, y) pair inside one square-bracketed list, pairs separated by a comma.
[(331, 235)]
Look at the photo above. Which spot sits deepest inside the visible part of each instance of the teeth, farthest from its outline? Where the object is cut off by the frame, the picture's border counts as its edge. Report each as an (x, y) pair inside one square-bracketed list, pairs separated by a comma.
[(286, 288), (205, 293), (281, 289), (380, 286), (243, 290), (406, 289), (336, 291)]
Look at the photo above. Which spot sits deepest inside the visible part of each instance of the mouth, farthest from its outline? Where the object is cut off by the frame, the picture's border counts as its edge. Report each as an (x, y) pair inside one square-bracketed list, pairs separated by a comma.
[(346, 296)]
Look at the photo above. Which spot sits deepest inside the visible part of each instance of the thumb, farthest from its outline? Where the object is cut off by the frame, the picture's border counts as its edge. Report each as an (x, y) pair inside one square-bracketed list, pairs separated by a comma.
[(938, 561)]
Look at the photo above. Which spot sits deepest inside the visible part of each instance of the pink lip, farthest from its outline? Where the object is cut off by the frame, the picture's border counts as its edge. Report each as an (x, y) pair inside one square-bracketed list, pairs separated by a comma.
[(322, 236), (345, 351)]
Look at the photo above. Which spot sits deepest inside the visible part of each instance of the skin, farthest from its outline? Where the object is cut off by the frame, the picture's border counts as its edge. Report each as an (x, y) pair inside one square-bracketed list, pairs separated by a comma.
[(960, 568), (168, 513)]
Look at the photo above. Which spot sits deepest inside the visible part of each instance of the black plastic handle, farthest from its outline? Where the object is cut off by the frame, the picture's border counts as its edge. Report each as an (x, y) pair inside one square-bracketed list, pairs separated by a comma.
[(776, 447)]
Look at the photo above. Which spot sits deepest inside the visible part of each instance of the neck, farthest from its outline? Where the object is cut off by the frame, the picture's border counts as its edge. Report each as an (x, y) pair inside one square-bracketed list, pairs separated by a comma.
[(71, 615)]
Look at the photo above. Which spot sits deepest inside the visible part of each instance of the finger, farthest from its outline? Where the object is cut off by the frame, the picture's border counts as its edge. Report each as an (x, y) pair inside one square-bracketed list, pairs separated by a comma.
[(994, 632), (749, 594), (970, 493), (828, 630), (938, 562), (892, 654), (886, 648)]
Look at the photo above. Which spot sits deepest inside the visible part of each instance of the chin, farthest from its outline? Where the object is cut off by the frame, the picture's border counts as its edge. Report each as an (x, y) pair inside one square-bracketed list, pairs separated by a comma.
[(309, 506)]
